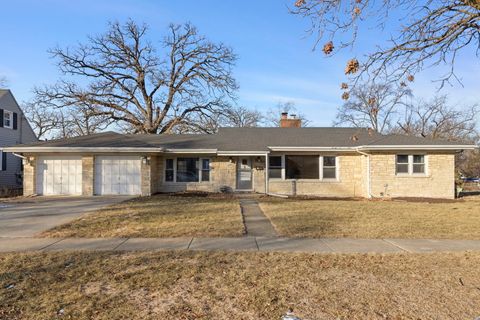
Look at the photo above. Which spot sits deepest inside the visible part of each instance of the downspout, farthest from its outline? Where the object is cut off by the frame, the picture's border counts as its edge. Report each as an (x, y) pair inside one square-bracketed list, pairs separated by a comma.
[(19, 155), (369, 185), (266, 172)]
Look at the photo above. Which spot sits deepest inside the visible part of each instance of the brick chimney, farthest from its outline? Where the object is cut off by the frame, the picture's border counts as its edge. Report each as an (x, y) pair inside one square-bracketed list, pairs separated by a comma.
[(290, 122)]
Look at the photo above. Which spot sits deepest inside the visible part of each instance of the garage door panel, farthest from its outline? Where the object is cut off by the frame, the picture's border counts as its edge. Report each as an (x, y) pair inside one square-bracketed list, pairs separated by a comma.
[(59, 175), (117, 175)]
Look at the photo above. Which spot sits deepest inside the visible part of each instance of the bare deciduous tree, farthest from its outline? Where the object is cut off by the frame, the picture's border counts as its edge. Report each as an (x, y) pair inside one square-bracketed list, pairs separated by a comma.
[(373, 106), (468, 163), (230, 116), (242, 117), (272, 116), (144, 89), (429, 32), (44, 120), (437, 120), (54, 123), (82, 121)]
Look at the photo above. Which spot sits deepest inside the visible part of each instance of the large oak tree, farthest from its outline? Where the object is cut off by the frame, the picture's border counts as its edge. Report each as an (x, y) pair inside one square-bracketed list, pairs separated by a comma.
[(145, 88)]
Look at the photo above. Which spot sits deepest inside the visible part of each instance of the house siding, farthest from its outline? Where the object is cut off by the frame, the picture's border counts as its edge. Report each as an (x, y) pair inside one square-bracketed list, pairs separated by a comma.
[(222, 177), (352, 177), (439, 181), (350, 181), (12, 177), (88, 175), (30, 176)]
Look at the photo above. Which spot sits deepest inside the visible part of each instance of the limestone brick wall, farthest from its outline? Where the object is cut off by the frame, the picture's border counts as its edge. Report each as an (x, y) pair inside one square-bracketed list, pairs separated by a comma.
[(350, 182), (29, 176), (438, 182), (146, 177), (224, 173), (88, 175), (259, 174), (222, 176)]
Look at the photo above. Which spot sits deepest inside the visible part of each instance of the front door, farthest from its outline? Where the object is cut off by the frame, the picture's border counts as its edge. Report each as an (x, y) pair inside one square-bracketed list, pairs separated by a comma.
[(244, 173)]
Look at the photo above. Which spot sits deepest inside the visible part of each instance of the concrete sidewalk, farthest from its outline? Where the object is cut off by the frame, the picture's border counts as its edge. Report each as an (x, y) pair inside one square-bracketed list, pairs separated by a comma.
[(274, 244)]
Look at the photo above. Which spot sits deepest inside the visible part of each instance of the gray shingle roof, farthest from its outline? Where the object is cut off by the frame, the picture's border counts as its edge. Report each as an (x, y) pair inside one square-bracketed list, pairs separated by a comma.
[(246, 139)]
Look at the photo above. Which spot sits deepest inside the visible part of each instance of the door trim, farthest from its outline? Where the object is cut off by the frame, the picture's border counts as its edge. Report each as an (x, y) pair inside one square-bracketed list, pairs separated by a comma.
[(237, 174)]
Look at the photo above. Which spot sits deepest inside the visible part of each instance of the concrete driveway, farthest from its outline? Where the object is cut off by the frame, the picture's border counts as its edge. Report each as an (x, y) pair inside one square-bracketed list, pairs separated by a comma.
[(28, 217)]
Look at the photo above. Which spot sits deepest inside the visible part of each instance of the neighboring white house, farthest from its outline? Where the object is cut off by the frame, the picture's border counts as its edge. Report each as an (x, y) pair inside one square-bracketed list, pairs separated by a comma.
[(14, 129)]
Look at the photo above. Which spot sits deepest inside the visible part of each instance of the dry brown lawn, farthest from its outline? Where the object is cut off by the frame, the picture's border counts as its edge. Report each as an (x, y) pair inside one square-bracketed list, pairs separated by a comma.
[(220, 285), (159, 216), (374, 219)]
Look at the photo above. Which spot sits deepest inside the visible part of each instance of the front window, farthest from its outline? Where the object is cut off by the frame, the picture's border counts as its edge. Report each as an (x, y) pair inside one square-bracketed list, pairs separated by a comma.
[(205, 169), (187, 170), (7, 119), (275, 167), (169, 170), (329, 168), (302, 167), (418, 164), (410, 164), (402, 163)]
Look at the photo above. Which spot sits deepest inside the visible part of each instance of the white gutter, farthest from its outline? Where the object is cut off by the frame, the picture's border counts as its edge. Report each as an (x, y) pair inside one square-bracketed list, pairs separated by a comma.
[(80, 149), (369, 184), (419, 147), (190, 150), (241, 153), (276, 148), (19, 155)]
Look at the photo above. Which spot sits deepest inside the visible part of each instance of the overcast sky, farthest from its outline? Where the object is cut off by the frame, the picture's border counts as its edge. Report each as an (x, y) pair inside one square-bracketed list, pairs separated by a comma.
[(276, 61)]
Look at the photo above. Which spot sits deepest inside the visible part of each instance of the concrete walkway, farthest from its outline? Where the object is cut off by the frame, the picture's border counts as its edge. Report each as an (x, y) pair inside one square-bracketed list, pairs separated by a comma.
[(256, 222), (274, 244)]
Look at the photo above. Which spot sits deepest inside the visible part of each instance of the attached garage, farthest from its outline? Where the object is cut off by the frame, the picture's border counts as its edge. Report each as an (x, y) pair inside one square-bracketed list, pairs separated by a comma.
[(59, 175), (118, 175)]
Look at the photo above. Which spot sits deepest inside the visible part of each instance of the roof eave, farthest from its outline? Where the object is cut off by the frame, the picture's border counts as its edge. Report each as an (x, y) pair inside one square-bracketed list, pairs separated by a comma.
[(209, 151), (242, 153), (279, 148), (81, 149), (418, 147)]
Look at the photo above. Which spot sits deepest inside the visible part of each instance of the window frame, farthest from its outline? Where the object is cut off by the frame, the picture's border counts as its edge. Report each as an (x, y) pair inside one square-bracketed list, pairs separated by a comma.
[(314, 156), (202, 169), (281, 167), (410, 172), (402, 163), (10, 118), (320, 168), (173, 169), (199, 170)]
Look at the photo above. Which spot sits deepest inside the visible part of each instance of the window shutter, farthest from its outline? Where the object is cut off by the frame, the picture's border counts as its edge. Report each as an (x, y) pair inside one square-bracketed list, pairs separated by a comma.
[(15, 120), (4, 161), (1, 118)]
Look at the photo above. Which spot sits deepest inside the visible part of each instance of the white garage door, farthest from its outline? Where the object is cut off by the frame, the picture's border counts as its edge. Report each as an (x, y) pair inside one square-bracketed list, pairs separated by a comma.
[(59, 175), (117, 175)]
